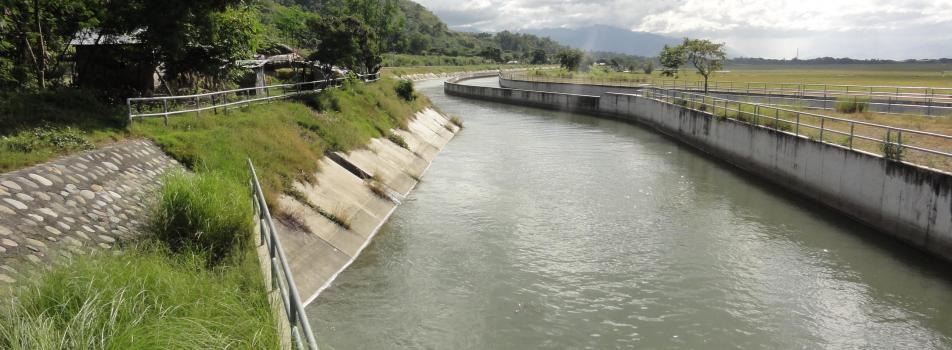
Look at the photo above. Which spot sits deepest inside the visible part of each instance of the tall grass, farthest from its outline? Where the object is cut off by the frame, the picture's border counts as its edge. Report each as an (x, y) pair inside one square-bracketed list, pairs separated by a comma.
[(144, 298), (204, 212), (851, 104)]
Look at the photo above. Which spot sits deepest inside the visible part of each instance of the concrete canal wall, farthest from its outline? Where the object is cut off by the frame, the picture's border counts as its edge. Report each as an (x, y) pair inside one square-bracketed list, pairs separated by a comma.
[(911, 203), (318, 249)]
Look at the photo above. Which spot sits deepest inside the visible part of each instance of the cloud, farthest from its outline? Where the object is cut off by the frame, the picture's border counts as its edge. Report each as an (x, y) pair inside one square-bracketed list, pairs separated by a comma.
[(776, 28)]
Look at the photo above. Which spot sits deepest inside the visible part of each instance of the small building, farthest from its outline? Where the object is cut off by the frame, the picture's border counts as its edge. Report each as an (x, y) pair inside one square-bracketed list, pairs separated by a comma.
[(113, 63), (254, 75)]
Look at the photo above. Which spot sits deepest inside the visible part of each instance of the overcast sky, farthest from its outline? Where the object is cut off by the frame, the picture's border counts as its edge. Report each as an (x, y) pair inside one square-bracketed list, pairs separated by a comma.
[(896, 29)]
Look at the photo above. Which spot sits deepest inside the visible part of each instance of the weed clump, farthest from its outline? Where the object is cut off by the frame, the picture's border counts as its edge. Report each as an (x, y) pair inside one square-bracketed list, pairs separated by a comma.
[(399, 140), (854, 104), (892, 147), (404, 89), (456, 121), (143, 298), (203, 212)]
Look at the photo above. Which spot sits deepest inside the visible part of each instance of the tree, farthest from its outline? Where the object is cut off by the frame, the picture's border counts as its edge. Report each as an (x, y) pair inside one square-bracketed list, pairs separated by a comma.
[(707, 57), (345, 42), (570, 59), (648, 67), (492, 53), (672, 58), (538, 57)]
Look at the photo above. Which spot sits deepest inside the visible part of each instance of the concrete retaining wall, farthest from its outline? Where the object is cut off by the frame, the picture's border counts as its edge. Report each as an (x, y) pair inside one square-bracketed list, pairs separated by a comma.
[(318, 249), (911, 203), (581, 89), (549, 100)]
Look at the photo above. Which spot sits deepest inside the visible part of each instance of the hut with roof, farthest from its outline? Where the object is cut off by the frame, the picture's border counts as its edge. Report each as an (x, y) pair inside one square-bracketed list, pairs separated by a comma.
[(113, 63)]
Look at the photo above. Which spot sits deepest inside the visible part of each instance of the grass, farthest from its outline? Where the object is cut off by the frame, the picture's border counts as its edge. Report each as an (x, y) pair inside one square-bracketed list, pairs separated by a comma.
[(285, 138), (851, 104), (194, 283), (398, 140), (377, 187), (900, 74), (36, 127), (207, 213), (144, 298), (456, 120)]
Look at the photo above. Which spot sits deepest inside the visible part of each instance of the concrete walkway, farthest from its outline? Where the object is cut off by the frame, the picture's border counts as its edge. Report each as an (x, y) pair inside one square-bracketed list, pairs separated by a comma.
[(77, 203)]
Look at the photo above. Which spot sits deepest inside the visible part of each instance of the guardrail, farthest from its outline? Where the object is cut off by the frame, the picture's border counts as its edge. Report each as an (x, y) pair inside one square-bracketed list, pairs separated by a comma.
[(164, 106), (281, 277), (930, 101), (929, 149)]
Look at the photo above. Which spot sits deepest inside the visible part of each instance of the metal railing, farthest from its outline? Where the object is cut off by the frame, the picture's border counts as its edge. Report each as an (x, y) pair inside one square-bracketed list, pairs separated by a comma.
[(930, 101), (281, 277), (929, 149), (164, 106)]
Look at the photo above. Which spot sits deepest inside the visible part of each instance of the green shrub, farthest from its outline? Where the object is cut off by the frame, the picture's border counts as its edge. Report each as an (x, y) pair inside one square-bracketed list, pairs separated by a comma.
[(404, 89), (852, 104), (56, 139), (143, 298), (204, 212)]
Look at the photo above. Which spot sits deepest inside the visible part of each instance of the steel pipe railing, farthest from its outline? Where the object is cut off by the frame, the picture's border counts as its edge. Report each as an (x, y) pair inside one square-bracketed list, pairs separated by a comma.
[(138, 107), (281, 277), (792, 121)]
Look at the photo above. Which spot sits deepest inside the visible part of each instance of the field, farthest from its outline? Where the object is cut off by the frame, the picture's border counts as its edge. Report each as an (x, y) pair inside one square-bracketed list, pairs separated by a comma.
[(901, 74)]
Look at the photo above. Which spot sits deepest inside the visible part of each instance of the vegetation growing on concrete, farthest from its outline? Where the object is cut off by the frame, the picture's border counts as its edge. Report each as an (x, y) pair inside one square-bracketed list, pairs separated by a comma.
[(398, 140), (456, 120)]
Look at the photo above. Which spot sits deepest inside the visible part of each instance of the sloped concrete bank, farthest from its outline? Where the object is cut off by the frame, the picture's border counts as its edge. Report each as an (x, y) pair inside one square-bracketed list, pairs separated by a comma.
[(906, 201), (317, 247)]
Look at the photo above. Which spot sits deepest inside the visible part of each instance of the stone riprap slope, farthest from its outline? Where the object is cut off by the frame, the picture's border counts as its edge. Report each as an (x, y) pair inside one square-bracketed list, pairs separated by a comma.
[(76, 204)]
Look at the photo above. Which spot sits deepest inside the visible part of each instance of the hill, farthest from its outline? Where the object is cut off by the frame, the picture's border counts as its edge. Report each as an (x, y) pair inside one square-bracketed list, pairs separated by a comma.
[(608, 39), (416, 30)]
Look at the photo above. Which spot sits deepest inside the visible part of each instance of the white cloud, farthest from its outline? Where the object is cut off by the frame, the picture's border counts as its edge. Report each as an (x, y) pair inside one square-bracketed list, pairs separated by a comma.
[(856, 28)]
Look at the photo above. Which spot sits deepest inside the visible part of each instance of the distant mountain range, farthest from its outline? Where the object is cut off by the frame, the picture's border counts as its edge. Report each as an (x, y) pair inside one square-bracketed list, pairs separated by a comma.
[(607, 38)]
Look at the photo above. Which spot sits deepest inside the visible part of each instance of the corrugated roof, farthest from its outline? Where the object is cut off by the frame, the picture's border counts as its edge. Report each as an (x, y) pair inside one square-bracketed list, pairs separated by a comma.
[(90, 36)]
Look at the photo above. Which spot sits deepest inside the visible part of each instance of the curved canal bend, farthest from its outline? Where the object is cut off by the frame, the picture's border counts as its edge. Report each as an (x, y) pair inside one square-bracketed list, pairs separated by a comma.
[(538, 229)]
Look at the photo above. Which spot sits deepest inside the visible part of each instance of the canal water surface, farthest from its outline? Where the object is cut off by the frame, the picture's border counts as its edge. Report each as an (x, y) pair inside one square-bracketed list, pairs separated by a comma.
[(538, 229)]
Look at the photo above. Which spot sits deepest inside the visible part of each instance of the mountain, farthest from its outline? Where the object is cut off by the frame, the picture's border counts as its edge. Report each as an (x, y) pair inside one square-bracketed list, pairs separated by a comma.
[(417, 30), (607, 38)]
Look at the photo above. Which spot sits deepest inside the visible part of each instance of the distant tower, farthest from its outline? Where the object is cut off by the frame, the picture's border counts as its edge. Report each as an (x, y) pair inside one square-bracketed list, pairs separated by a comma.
[(797, 57)]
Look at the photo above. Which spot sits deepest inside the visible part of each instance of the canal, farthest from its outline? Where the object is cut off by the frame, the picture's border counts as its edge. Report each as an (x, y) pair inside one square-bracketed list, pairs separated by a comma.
[(540, 229)]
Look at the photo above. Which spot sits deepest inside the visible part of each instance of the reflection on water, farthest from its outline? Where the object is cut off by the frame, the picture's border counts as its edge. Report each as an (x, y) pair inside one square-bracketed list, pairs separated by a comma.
[(537, 229)]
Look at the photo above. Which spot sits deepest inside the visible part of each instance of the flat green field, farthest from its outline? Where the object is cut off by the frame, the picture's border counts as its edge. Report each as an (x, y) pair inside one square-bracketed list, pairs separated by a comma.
[(899, 74)]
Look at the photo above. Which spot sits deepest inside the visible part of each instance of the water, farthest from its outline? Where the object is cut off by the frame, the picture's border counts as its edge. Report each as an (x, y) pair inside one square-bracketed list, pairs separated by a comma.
[(537, 229)]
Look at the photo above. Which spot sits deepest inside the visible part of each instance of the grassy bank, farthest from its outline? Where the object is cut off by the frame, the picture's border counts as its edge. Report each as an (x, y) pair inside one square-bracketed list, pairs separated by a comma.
[(193, 281), (36, 127)]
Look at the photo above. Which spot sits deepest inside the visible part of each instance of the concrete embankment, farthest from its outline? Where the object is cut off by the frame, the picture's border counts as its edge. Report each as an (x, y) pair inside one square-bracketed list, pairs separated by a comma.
[(909, 202), (319, 248), (889, 104)]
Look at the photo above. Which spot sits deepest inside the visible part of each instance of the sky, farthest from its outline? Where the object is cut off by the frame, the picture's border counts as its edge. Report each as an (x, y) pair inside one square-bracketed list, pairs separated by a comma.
[(895, 29)]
